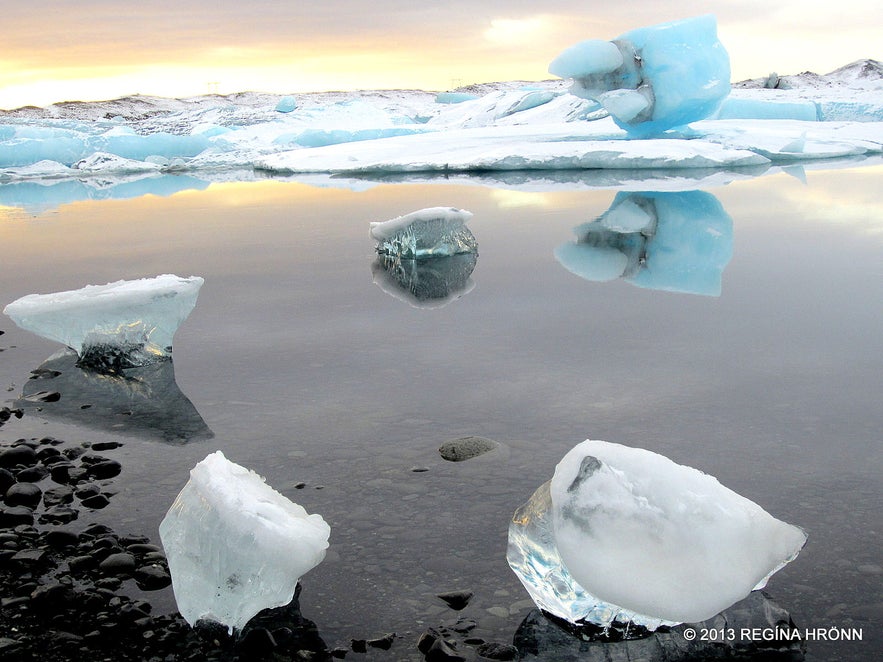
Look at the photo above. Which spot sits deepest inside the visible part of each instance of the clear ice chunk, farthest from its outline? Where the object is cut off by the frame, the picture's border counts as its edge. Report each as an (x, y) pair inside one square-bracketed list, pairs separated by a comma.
[(426, 283), (235, 546), (626, 534), (119, 325), (669, 74), (431, 232)]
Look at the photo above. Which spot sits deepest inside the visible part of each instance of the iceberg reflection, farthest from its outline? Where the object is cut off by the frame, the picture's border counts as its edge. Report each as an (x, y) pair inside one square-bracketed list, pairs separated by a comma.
[(142, 402), (673, 241), (428, 282)]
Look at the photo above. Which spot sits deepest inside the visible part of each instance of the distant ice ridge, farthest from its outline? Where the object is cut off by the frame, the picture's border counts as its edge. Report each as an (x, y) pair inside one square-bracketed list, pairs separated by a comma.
[(431, 232), (118, 325), (677, 241), (235, 546), (625, 534), (654, 78)]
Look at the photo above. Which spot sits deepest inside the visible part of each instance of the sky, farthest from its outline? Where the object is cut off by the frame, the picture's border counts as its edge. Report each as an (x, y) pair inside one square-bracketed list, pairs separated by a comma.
[(57, 50)]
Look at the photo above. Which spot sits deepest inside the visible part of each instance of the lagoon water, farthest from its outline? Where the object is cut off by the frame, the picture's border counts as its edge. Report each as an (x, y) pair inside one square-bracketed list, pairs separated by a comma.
[(309, 365)]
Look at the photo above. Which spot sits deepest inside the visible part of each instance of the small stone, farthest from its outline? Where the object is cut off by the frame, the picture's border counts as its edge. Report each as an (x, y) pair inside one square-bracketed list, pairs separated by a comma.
[(62, 538), (29, 556), (121, 563), (24, 494), (106, 469), (32, 474), (384, 642), (339, 653), (456, 600), (15, 515), (359, 645), (17, 456), (6, 480), (59, 515), (466, 448), (78, 563), (440, 651), (419, 470), (257, 643), (152, 578), (57, 496), (495, 651), (60, 472), (96, 502), (86, 491), (105, 445)]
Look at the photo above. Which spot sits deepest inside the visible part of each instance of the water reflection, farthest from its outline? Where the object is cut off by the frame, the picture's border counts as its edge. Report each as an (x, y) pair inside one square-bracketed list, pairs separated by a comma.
[(428, 282), (730, 634), (674, 241), (143, 402)]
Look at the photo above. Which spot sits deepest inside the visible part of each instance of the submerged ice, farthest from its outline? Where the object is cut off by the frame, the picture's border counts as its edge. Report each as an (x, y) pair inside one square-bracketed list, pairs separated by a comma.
[(118, 325), (431, 232), (235, 546), (654, 78), (625, 534)]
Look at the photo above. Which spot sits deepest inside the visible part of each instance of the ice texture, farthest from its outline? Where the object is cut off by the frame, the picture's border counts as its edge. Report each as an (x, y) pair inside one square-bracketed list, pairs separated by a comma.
[(675, 241), (235, 546), (124, 324), (431, 282), (665, 75), (431, 232), (623, 533)]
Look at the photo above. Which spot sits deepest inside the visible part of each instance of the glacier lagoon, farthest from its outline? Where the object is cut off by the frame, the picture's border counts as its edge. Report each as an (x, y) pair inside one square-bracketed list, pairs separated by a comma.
[(308, 372)]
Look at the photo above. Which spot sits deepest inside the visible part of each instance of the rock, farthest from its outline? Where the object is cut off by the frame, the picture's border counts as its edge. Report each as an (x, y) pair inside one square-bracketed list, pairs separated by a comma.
[(456, 600), (152, 578), (120, 563), (96, 501), (62, 538), (6, 480), (105, 445), (59, 515), (15, 515), (43, 396), (257, 643), (359, 645), (17, 456), (24, 494), (440, 651), (32, 474), (466, 448), (57, 496), (495, 651), (105, 469), (384, 642)]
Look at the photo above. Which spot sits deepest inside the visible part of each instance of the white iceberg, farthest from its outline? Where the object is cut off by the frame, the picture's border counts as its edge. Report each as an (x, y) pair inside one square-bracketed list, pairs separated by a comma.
[(117, 325), (626, 534), (654, 78), (430, 232), (235, 546)]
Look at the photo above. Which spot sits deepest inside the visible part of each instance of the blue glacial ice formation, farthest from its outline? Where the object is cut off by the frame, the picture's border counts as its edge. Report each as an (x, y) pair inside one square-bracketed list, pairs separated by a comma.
[(431, 232), (654, 78), (235, 545), (625, 534), (123, 324), (676, 241)]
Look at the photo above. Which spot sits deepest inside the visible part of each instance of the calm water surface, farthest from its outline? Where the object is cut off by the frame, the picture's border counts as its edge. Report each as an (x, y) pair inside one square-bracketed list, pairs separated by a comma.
[(307, 370)]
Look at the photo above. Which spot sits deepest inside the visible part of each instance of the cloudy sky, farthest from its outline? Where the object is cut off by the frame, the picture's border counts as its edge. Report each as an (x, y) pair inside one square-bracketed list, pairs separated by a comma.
[(57, 50)]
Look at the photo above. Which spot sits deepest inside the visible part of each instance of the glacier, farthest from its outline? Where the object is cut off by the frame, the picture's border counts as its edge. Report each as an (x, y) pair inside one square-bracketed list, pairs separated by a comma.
[(235, 546), (119, 325), (675, 241), (625, 534)]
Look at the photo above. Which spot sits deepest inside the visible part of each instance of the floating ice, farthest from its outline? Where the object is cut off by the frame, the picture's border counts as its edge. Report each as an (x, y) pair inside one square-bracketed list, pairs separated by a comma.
[(626, 534), (677, 241), (431, 232), (286, 104), (654, 78), (119, 325), (431, 282), (235, 546)]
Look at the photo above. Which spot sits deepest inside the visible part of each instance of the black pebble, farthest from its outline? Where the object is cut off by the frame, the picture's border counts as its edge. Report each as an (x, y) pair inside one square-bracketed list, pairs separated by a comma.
[(18, 455), (495, 651), (121, 563), (152, 578), (32, 474), (105, 445), (359, 645), (6, 480), (96, 501), (23, 494), (456, 600), (384, 642), (57, 496), (106, 469), (62, 538)]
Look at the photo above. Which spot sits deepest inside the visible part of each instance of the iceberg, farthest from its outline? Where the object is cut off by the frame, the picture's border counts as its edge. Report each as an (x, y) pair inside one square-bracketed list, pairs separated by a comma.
[(654, 78), (625, 534), (675, 241), (115, 326), (235, 546), (431, 232)]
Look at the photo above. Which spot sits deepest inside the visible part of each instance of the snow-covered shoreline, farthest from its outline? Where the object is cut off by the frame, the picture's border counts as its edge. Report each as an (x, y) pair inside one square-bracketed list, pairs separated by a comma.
[(512, 127)]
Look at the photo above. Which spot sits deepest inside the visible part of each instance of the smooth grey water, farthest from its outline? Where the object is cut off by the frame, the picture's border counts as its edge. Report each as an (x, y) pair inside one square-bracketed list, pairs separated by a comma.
[(305, 370)]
